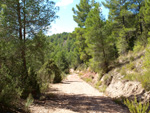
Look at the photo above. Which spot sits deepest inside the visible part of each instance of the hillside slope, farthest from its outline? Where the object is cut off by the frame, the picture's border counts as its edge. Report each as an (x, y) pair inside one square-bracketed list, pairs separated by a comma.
[(123, 80)]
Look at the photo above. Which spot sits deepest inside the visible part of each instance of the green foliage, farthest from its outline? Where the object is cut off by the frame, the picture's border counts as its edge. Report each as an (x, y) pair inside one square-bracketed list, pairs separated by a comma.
[(10, 92), (132, 77), (81, 44), (65, 53), (138, 46), (136, 107), (146, 12), (103, 88), (31, 85), (25, 51), (82, 11), (88, 80), (49, 72), (123, 42), (147, 56), (145, 80), (29, 101), (38, 51), (99, 42), (98, 83), (130, 66), (131, 58), (62, 61), (107, 79), (82, 67), (123, 71), (23, 47), (119, 100), (127, 18)]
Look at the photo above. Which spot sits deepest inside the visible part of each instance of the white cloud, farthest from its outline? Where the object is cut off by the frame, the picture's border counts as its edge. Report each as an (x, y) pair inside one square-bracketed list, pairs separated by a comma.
[(57, 29), (64, 2)]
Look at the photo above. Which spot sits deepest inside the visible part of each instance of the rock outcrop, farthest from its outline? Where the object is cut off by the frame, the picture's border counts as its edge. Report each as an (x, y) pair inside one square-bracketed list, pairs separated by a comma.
[(124, 88)]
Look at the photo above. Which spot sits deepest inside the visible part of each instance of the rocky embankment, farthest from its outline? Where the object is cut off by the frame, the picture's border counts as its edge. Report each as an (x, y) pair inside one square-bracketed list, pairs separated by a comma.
[(114, 83)]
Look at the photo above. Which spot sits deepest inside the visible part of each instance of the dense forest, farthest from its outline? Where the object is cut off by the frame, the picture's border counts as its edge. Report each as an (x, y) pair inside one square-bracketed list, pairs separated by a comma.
[(98, 42), (29, 59)]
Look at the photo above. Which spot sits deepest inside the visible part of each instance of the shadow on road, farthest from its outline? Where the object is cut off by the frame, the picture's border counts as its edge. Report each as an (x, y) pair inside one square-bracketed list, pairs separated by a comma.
[(80, 103)]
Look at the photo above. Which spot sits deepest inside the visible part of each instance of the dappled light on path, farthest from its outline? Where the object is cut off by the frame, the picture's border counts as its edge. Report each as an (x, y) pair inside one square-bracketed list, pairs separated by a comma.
[(74, 95)]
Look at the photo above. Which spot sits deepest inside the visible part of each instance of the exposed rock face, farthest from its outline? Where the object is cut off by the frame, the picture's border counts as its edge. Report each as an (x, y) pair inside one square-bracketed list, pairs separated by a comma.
[(124, 88)]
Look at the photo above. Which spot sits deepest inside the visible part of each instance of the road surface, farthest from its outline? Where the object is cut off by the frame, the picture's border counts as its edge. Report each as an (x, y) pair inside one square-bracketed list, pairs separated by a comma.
[(74, 95)]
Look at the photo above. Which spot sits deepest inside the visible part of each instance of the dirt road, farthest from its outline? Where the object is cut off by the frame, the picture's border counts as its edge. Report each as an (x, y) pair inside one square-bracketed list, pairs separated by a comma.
[(75, 96)]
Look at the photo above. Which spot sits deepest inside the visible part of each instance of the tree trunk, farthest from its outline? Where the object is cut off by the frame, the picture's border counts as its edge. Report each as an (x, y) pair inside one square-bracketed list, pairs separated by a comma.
[(22, 42), (105, 68), (123, 20), (141, 26)]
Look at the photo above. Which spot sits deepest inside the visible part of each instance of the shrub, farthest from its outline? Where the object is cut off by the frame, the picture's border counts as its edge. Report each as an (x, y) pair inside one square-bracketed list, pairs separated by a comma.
[(87, 80), (29, 101), (136, 107), (145, 80), (123, 71), (98, 83), (107, 79), (9, 90), (103, 88), (147, 56), (138, 47), (82, 67), (31, 85), (130, 66), (131, 58), (49, 72), (132, 77), (119, 100)]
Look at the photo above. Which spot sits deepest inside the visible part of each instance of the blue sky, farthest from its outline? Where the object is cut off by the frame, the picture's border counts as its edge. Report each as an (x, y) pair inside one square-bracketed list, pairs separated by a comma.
[(65, 22)]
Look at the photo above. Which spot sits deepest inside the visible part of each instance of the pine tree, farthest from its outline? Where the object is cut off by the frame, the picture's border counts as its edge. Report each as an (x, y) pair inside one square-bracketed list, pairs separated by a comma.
[(20, 23), (82, 11), (80, 43), (147, 16), (23, 19), (98, 40), (147, 12), (124, 15), (118, 11)]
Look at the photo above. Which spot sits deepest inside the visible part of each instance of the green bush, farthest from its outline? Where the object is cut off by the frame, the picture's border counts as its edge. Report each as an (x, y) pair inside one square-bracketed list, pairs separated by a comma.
[(10, 92), (136, 107), (123, 71), (82, 67), (103, 88), (87, 80), (119, 100), (49, 72), (138, 47), (107, 79), (132, 77), (29, 101), (130, 66), (31, 85), (145, 80), (131, 58), (98, 83), (147, 56)]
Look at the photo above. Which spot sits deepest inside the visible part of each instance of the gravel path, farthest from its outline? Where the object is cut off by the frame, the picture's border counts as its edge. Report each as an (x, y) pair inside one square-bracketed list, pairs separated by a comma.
[(75, 96)]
